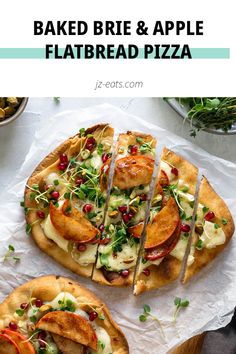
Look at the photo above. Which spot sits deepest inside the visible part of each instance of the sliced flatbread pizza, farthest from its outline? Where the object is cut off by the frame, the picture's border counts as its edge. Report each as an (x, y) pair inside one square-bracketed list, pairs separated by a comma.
[(133, 170), (64, 202), (214, 228), (168, 228), (59, 315)]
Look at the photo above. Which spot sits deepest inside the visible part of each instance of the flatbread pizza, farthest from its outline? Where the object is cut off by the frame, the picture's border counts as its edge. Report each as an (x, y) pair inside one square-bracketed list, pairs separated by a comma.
[(56, 315), (168, 229), (133, 171), (86, 206), (213, 230), (64, 203)]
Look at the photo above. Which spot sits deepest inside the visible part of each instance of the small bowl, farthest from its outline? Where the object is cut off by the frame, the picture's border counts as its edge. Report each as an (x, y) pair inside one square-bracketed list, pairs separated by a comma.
[(19, 111)]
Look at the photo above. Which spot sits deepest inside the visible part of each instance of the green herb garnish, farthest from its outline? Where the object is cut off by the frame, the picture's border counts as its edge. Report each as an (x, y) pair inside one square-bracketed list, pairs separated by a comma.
[(147, 313), (20, 312), (11, 254), (199, 245), (205, 209), (224, 221), (210, 112), (179, 303)]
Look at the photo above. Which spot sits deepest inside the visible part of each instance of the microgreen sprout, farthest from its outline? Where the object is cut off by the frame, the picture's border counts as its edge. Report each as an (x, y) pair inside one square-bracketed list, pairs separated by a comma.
[(179, 303), (224, 221), (11, 254), (147, 313)]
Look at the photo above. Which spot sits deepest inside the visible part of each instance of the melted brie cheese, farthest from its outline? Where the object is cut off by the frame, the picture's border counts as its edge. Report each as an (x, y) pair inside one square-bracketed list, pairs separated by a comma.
[(104, 339), (123, 260), (53, 234), (167, 169), (96, 161), (63, 296), (180, 249), (143, 266), (211, 236), (86, 257)]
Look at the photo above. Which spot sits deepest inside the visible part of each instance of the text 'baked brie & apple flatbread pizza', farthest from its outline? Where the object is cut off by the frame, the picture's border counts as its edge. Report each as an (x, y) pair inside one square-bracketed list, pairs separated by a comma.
[(92, 205)]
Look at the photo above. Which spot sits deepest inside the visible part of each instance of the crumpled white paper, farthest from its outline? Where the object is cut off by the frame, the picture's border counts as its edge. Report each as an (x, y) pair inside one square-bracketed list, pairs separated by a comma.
[(211, 294)]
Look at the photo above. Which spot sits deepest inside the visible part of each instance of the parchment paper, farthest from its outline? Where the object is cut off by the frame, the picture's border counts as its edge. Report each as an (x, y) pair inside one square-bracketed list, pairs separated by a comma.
[(212, 294)]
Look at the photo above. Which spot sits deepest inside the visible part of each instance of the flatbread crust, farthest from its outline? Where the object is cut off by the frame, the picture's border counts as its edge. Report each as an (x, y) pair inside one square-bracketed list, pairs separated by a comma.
[(208, 197), (47, 165), (169, 269), (124, 140), (47, 288)]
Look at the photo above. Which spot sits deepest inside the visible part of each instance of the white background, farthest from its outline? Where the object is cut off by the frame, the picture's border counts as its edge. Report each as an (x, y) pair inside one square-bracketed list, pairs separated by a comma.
[(202, 77)]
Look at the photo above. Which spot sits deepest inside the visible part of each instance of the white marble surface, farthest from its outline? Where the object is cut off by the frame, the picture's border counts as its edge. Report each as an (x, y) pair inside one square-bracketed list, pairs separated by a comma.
[(16, 138)]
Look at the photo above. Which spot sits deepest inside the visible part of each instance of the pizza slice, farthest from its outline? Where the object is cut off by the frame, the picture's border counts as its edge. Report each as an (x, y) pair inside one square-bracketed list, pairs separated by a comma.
[(64, 202), (133, 170), (55, 315), (214, 228), (168, 229)]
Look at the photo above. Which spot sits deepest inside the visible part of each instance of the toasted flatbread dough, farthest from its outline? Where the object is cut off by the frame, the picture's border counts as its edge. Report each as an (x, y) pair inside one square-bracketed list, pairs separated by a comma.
[(208, 197), (47, 165), (169, 269), (47, 288)]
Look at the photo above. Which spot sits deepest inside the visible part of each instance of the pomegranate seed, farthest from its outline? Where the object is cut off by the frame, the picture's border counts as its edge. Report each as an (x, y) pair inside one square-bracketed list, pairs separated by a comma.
[(130, 215), (62, 166), (123, 209), (87, 208), (209, 216), (185, 228), (133, 149), (38, 303), (174, 171), (105, 157), (93, 315), (64, 158), (55, 195), (40, 214), (143, 197), (81, 247), (90, 144), (24, 306), (126, 218), (101, 227), (13, 326), (146, 272), (79, 181), (124, 273)]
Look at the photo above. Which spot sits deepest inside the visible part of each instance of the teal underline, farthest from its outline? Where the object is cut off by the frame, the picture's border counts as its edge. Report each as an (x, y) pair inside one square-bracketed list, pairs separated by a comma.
[(40, 53)]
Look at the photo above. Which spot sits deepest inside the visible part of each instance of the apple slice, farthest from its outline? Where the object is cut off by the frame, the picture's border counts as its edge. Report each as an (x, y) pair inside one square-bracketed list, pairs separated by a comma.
[(155, 253), (73, 228), (130, 171), (71, 326), (67, 346), (133, 171), (21, 341), (163, 179), (163, 225), (136, 230), (8, 346)]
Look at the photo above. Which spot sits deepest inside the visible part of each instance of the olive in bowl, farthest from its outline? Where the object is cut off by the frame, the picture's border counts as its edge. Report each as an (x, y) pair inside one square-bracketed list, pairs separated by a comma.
[(11, 108)]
